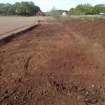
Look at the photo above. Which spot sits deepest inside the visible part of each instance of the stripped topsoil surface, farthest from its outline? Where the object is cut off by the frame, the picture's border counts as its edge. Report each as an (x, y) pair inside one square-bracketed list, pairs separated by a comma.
[(55, 64)]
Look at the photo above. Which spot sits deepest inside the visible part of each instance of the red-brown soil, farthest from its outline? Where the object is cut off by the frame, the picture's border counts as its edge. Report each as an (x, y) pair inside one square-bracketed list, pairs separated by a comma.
[(55, 64)]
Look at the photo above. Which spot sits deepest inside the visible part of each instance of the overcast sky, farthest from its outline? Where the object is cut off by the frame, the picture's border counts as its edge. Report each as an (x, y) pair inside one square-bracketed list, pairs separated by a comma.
[(47, 5)]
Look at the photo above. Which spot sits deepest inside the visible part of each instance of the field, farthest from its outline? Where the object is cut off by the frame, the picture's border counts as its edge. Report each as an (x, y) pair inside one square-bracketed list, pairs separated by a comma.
[(12, 23), (61, 63)]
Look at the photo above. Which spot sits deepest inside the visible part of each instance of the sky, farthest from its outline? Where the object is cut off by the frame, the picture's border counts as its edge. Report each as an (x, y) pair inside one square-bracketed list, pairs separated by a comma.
[(47, 5)]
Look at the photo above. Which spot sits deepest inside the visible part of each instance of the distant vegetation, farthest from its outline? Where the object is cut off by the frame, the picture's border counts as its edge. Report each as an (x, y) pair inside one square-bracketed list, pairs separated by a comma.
[(19, 8), (55, 12), (30, 9), (87, 9), (81, 9)]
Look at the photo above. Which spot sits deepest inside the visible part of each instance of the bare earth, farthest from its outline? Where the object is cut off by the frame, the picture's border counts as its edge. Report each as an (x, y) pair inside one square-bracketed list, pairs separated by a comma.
[(55, 64), (9, 23)]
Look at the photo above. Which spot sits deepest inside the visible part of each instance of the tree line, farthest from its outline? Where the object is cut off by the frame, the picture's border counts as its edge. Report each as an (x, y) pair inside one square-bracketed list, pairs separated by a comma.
[(19, 8), (81, 9), (87, 9)]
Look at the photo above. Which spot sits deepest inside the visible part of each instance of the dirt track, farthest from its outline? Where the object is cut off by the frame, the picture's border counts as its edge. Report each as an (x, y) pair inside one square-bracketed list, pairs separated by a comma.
[(55, 64)]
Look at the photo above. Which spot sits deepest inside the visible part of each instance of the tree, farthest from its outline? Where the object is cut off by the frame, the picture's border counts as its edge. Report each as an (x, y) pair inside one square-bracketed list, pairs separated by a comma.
[(19, 8), (82, 9), (26, 8), (2, 8), (87, 9), (100, 8)]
